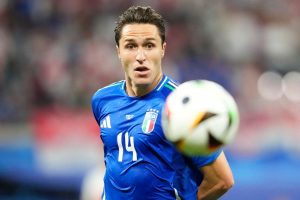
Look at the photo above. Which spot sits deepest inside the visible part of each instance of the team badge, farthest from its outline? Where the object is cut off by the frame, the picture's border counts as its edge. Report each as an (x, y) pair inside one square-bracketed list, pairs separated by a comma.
[(149, 120)]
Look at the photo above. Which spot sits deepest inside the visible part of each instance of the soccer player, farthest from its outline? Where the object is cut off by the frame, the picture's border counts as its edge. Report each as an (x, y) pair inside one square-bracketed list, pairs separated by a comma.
[(140, 162)]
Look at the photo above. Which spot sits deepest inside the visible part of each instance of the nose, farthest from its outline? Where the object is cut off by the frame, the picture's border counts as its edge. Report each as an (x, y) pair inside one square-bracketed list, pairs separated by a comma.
[(140, 56)]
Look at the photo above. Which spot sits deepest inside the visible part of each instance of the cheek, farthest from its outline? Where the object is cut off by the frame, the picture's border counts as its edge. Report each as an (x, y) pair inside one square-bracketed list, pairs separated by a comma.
[(126, 63), (157, 59)]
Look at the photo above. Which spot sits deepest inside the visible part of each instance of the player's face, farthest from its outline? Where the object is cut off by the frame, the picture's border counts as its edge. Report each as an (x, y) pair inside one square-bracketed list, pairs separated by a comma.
[(141, 51)]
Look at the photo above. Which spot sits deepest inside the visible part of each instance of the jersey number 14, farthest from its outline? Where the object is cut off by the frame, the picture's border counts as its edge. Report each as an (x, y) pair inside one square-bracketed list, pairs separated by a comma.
[(129, 146)]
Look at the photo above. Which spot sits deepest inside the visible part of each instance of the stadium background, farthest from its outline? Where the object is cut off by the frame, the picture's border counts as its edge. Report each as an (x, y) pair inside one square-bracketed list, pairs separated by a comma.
[(55, 53)]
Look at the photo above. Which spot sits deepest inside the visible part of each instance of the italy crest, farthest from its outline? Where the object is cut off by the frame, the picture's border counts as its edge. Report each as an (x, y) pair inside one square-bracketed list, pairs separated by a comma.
[(149, 120)]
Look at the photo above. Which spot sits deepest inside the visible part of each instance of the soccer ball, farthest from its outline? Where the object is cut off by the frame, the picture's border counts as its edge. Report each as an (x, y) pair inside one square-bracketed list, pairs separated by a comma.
[(200, 117)]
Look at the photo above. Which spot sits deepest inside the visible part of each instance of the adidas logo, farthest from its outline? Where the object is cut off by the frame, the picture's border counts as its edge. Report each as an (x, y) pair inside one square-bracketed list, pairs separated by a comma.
[(106, 122)]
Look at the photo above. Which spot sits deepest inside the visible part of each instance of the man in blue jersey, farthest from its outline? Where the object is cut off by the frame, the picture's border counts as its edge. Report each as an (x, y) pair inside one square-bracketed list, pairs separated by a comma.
[(140, 163)]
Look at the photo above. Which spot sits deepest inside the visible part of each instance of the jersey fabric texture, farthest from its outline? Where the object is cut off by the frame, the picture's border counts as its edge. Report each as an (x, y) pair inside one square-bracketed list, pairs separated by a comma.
[(140, 162)]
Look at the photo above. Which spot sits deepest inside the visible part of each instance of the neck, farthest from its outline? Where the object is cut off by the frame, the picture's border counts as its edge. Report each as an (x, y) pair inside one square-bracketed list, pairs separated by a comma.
[(141, 90)]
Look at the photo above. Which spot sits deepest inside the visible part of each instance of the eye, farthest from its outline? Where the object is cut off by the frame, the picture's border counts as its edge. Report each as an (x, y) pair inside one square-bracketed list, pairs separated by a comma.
[(149, 45), (130, 46)]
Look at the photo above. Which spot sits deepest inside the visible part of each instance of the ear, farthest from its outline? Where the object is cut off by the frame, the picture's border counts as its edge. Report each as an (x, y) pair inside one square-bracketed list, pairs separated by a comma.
[(118, 51), (164, 46)]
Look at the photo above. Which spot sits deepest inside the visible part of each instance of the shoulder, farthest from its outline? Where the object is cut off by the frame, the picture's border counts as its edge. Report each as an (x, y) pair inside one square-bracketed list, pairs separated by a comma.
[(107, 93), (168, 85), (105, 96), (110, 89)]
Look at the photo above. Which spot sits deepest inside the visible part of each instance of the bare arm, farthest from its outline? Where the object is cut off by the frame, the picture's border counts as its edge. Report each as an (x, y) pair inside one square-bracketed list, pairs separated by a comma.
[(217, 179)]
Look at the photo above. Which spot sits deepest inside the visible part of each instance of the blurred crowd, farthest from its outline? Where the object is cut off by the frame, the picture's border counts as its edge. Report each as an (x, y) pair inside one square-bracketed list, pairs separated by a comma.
[(58, 52)]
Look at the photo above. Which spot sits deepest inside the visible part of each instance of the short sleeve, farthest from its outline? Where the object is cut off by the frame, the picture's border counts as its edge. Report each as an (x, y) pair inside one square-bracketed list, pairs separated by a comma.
[(95, 106), (201, 161)]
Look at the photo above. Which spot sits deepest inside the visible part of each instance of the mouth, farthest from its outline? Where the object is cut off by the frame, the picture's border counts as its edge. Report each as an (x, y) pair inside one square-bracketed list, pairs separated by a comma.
[(141, 69)]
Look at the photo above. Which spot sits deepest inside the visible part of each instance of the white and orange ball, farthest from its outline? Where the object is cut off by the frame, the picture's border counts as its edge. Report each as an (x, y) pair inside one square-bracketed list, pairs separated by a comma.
[(199, 117)]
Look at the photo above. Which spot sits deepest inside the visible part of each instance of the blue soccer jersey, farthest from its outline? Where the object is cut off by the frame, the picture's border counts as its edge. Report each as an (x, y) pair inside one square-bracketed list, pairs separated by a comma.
[(140, 162)]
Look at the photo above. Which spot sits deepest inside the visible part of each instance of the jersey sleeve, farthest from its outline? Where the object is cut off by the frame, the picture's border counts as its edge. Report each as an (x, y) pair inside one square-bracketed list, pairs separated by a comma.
[(96, 106), (201, 161)]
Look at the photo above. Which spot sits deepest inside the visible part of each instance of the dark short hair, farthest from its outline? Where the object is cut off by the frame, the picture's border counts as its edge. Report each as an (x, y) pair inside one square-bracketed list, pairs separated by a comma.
[(140, 15)]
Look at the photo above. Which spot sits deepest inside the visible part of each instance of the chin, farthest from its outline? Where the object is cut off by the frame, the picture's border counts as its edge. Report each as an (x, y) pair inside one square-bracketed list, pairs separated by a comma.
[(143, 81)]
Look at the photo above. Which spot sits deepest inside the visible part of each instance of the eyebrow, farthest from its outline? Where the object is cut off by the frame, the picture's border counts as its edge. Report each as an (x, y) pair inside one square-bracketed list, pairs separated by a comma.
[(132, 40)]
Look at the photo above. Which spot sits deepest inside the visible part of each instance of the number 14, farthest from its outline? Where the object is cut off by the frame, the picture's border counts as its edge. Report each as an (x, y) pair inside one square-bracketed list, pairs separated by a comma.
[(129, 146)]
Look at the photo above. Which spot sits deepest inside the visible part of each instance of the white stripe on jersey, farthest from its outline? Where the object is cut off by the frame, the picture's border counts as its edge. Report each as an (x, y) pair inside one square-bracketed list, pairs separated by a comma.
[(106, 122), (103, 125), (162, 84), (173, 84), (177, 195)]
